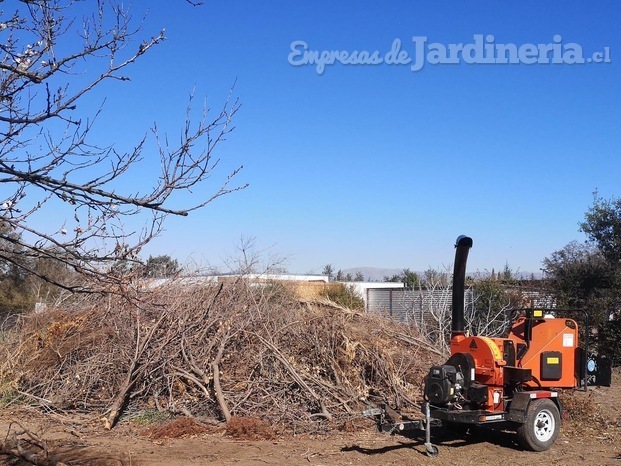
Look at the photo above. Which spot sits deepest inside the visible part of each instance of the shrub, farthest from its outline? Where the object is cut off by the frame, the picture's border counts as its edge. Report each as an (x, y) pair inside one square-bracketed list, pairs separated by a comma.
[(344, 295)]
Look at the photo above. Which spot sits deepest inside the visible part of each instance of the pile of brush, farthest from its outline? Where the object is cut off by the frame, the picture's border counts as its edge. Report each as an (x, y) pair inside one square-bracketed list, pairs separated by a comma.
[(213, 352)]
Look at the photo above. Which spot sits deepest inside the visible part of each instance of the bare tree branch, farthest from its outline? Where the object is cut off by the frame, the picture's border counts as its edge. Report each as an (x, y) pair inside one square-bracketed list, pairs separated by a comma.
[(50, 59)]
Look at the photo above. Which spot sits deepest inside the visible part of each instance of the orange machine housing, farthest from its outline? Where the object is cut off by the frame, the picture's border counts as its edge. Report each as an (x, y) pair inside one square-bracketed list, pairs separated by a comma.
[(539, 352)]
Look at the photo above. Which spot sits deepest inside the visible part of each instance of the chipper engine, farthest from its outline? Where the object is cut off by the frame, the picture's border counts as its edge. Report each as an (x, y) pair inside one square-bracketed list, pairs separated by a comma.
[(506, 383)]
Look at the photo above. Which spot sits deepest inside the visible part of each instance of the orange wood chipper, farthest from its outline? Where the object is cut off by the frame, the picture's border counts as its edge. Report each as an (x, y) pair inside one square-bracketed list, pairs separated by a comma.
[(507, 383)]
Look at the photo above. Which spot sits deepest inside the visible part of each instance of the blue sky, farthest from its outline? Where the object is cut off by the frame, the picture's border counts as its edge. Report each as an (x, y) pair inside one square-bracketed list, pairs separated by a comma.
[(376, 165)]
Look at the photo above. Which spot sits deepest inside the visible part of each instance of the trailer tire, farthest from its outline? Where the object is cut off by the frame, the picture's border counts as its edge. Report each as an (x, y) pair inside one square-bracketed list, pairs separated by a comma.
[(541, 427)]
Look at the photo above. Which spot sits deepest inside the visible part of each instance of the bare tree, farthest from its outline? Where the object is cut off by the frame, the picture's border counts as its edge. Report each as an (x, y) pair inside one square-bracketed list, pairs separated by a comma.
[(489, 307), (251, 259), (51, 58), (435, 303), (492, 309)]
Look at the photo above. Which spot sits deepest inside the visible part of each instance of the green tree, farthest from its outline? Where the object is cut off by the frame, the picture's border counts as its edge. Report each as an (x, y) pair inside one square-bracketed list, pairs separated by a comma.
[(161, 267), (588, 275), (581, 277), (409, 279), (507, 273), (23, 276), (45, 290), (13, 275), (328, 270), (602, 224)]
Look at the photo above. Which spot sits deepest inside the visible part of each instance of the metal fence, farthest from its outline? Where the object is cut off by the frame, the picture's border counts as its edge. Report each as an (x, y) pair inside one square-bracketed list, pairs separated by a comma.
[(414, 306), (410, 306)]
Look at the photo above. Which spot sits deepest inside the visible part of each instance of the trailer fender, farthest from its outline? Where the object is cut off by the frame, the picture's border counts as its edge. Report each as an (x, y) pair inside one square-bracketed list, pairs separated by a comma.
[(518, 407)]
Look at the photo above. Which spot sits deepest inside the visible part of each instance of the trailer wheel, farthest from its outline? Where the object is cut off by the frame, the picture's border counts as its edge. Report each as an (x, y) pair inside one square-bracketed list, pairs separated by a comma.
[(542, 424), (431, 450)]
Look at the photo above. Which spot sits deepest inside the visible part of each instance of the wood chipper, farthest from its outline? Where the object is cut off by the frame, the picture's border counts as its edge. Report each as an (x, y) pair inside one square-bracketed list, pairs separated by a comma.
[(505, 383)]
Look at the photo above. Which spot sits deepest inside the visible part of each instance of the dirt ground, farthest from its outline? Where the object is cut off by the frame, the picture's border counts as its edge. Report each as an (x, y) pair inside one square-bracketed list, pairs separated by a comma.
[(86, 443)]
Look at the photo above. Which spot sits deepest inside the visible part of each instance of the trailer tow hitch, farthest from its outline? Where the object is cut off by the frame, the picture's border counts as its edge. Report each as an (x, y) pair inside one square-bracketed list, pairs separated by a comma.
[(390, 421)]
